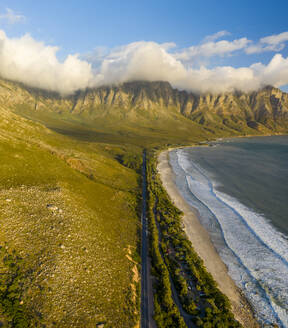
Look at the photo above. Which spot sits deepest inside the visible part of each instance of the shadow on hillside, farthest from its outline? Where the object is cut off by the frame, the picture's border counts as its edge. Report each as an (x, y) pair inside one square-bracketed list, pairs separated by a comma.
[(84, 135)]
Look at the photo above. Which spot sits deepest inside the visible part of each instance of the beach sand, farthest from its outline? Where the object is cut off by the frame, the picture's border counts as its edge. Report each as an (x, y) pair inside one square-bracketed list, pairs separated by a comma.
[(203, 246)]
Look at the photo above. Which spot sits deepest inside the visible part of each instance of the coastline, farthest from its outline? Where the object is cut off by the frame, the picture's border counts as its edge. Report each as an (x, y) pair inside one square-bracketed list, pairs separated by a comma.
[(203, 246)]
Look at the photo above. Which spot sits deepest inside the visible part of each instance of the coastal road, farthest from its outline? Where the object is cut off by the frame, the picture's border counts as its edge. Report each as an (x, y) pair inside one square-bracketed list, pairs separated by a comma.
[(144, 252), (188, 318)]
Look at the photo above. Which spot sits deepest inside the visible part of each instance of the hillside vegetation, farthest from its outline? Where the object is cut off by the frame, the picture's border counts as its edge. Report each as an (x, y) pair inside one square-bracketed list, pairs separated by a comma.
[(174, 261), (68, 233)]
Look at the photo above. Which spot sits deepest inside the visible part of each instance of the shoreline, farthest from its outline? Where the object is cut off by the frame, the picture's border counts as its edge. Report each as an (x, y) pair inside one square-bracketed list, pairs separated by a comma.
[(203, 246)]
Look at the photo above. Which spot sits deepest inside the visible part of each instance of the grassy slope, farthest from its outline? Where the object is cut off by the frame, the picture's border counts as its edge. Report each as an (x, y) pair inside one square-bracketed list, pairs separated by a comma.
[(66, 264)]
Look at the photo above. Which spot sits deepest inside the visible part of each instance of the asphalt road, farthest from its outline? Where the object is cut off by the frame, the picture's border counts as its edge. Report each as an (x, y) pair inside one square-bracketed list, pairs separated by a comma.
[(145, 315), (144, 252), (186, 316)]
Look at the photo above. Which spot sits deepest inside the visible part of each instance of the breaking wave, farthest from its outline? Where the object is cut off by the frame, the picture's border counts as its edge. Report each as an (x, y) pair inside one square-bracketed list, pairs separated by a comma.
[(255, 253)]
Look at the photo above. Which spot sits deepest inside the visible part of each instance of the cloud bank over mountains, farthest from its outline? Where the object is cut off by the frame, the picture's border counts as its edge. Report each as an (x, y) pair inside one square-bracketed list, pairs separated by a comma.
[(36, 64)]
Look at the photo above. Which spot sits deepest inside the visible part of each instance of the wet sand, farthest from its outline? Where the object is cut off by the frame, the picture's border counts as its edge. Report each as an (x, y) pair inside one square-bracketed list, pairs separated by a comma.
[(203, 246)]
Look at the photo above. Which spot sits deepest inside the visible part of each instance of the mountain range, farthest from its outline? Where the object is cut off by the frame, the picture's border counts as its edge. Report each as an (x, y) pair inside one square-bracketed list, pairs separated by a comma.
[(262, 111)]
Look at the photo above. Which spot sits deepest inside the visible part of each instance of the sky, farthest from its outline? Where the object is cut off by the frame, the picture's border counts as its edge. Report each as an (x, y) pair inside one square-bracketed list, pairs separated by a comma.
[(200, 46)]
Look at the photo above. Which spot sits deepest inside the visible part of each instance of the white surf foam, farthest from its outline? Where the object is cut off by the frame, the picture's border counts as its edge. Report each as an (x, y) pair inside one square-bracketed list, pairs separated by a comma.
[(258, 247)]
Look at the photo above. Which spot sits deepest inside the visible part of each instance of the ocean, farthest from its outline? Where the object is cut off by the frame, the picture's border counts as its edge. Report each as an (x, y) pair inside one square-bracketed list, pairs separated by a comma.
[(240, 189)]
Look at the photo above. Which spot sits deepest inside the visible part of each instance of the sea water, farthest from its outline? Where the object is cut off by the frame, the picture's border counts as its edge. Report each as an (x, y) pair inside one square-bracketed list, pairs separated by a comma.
[(240, 189)]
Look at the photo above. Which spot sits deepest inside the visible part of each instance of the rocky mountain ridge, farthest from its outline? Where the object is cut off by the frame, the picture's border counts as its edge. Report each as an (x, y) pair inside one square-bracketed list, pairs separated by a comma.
[(264, 110)]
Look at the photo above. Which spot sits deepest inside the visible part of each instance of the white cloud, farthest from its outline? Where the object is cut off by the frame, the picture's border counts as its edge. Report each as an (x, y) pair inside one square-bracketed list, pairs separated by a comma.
[(260, 48), (31, 62), (11, 17), (275, 39), (216, 36), (275, 73), (139, 61), (274, 43), (168, 45), (210, 49), (36, 64), (150, 61)]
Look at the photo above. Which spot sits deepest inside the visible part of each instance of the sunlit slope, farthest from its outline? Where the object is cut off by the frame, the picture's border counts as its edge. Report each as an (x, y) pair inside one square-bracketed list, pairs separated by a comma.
[(151, 109), (68, 230)]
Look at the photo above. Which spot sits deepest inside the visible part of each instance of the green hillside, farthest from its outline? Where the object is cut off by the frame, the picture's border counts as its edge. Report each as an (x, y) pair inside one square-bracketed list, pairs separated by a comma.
[(68, 230)]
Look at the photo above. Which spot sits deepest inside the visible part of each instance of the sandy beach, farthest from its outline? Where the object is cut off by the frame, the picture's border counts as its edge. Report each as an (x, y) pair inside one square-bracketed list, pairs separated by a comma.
[(203, 246)]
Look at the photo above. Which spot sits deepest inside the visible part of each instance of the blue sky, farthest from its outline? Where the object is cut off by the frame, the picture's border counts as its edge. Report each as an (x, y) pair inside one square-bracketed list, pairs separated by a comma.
[(80, 27)]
